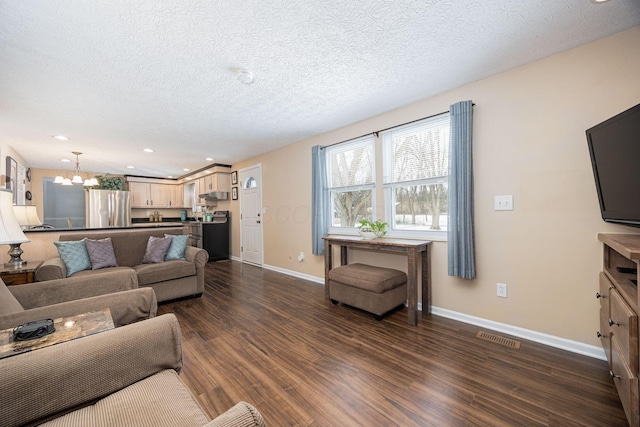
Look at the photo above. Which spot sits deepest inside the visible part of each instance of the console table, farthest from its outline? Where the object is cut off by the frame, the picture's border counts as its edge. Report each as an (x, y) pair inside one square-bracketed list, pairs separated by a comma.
[(412, 248)]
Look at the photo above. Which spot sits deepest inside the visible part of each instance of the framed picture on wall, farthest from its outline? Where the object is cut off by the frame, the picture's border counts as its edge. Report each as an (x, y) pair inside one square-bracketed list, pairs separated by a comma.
[(234, 193), (234, 178), (12, 176)]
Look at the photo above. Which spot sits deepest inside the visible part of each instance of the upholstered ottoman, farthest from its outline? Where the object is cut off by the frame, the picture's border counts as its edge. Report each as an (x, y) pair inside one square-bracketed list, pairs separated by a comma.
[(373, 289)]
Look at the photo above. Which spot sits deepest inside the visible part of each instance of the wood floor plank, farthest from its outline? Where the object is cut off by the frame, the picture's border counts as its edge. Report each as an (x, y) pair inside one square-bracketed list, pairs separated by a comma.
[(274, 341)]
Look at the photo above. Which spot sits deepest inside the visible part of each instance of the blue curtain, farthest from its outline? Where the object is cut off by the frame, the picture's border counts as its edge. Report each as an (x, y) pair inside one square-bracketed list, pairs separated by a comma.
[(460, 228), (320, 199)]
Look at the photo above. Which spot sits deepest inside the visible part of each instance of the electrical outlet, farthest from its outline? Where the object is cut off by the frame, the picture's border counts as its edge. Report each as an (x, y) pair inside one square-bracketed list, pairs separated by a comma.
[(301, 257), (502, 290), (503, 203)]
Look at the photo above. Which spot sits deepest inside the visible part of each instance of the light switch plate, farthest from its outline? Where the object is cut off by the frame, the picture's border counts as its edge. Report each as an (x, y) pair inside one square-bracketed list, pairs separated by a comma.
[(503, 203)]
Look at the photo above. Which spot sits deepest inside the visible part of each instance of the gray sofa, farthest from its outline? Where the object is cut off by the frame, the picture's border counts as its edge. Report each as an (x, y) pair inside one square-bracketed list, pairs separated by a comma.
[(67, 297), (127, 376), (170, 279)]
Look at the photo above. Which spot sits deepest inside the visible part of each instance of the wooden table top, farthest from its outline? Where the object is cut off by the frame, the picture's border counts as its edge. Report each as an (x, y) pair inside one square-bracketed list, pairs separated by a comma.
[(67, 328)]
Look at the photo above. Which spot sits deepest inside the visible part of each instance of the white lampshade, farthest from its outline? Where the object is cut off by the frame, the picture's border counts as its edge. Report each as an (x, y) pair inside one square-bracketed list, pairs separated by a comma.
[(10, 231), (77, 179), (58, 179), (27, 216), (66, 181)]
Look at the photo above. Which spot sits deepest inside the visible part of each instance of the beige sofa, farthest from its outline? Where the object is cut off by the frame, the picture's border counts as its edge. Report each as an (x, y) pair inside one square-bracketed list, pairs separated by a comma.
[(66, 297), (170, 279), (127, 376)]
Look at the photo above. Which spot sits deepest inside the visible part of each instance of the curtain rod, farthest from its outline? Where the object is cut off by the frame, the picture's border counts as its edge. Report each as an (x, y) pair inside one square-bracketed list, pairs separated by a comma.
[(385, 129)]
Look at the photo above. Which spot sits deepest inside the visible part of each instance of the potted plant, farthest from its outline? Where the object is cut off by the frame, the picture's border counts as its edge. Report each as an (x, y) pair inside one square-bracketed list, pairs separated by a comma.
[(371, 229), (110, 183)]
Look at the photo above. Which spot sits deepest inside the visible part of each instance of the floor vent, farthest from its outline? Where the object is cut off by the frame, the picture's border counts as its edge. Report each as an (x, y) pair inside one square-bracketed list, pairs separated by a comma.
[(499, 340)]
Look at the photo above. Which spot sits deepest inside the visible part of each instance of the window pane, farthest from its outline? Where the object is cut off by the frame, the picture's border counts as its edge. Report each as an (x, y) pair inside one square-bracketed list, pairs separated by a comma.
[(350, 206), (417, 151), (351, 164), (421, 207)]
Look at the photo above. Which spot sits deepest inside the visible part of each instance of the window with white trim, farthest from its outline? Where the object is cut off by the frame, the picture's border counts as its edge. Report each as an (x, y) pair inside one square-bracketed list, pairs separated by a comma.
[(351, 182), (415, 176)]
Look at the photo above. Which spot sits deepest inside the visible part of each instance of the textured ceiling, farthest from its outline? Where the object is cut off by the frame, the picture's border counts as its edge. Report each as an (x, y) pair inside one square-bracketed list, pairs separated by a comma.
[(117, 76)]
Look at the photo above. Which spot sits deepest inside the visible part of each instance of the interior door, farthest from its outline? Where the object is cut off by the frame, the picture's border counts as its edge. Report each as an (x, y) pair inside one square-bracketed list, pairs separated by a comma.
[(251, 214)]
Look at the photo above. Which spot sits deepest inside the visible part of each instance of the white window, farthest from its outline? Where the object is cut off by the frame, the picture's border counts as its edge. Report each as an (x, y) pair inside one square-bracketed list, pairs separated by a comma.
[(415, 176), (351, 182)]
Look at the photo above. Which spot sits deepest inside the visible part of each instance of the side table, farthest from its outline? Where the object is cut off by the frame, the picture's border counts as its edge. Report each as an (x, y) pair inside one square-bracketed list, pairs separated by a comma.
[(67, 328), (19, 275)]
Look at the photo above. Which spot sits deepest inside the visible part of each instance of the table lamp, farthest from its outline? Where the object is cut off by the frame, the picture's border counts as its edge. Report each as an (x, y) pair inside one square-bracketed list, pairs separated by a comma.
[(10, 232), (27, 216)]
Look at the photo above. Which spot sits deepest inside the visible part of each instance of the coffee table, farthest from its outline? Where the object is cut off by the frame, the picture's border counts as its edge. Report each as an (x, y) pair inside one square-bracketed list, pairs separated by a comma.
[(67, 329)]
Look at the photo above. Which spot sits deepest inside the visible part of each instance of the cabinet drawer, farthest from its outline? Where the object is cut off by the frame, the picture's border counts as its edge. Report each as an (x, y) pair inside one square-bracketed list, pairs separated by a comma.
[(605, 334), (626, 383), (14, 279), (604, 290), (624, 326)]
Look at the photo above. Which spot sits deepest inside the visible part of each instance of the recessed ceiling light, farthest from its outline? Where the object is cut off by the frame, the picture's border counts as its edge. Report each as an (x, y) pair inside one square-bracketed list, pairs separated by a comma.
[(186, 170), (244, 76), (131, 167), (148, 150), (61, 137), (169, 176), (209, 159), (599, 1), (65, 160)]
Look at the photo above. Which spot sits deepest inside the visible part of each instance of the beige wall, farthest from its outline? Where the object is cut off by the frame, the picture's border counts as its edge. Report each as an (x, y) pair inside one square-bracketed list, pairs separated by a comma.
[(529, 141)]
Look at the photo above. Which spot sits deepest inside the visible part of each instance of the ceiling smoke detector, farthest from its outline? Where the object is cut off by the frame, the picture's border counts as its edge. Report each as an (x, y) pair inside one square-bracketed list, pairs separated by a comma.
[(244, 76)]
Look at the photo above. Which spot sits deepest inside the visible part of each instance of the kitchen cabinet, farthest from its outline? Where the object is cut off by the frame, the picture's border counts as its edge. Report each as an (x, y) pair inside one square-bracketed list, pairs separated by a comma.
[(176, 194), (148, 195)]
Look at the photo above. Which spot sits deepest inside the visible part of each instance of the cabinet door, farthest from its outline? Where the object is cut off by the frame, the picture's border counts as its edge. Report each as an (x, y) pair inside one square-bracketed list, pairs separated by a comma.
[(177, 196), (139, 195), (221, 182), (208, 183), (160, 195)]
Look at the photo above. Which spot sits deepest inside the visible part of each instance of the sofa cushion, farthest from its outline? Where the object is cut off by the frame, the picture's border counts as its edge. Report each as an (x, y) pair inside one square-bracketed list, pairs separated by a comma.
[(178, 246), (159, 272), (8, 303), (159, 400), (74, 255), (101, 253), (156, 250), (368, 277)]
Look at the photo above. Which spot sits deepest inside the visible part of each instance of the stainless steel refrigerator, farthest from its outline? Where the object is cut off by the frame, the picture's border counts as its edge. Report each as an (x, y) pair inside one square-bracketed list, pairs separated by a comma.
[(107, 208)]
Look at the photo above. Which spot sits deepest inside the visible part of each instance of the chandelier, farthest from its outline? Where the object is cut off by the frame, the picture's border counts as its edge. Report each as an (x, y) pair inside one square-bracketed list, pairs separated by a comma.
[(77, 176)]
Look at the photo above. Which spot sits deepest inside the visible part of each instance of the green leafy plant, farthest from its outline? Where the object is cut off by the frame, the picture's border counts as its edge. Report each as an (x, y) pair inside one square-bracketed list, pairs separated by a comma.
[(378, 228), (107, 182)]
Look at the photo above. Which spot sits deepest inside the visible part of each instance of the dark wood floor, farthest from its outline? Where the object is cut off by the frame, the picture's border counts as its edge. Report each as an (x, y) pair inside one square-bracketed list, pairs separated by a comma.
[(274, 341)]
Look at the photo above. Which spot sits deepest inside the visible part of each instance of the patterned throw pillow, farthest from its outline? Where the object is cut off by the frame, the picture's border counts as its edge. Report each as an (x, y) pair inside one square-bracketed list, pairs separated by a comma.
[(157, 248), (101, 253), (178, 246), (74, 255)]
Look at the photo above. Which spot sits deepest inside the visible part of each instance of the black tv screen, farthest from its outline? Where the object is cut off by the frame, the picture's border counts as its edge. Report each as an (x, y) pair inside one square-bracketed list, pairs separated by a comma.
[(614, 146)]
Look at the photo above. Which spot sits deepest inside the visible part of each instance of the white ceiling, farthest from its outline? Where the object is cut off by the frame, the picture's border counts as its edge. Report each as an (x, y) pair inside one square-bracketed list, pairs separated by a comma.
[(117, 76)]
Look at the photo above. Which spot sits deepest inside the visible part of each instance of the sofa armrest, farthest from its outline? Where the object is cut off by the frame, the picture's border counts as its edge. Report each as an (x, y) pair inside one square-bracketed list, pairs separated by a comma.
[(42, 383), (242, 414), (197, 256), (51, 269), (39, 294), (126, 307)]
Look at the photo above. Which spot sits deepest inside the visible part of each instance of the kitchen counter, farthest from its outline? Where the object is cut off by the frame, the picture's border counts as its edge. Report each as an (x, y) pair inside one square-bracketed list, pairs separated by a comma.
[(161, 224)]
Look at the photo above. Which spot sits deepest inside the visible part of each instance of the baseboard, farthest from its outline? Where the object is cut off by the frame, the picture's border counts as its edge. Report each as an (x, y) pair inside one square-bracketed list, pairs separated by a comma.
[(550, 340), (297, 274)]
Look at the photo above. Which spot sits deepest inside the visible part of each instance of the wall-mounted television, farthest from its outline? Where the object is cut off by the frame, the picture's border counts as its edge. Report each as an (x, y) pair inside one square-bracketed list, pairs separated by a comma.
[(614, 146)]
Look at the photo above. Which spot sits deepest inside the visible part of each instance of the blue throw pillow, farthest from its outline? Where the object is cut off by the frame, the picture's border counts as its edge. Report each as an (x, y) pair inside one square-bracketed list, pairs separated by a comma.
[(74, 255), (178, 246)]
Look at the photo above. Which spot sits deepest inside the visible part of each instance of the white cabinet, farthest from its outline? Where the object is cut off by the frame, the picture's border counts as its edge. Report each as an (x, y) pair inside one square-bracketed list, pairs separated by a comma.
[(147, 195)]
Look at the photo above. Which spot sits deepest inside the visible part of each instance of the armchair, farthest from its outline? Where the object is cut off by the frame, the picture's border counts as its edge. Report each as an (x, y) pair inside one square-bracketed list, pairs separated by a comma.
[(125, 376)]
